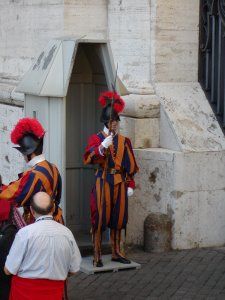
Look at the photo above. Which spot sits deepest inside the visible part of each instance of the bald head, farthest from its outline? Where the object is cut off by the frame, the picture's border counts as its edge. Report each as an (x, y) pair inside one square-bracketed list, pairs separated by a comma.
[(42, 203)]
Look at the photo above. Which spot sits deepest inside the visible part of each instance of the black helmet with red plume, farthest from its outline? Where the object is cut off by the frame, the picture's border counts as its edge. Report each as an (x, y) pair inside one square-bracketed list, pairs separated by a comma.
[(28, 134), (108, 99)]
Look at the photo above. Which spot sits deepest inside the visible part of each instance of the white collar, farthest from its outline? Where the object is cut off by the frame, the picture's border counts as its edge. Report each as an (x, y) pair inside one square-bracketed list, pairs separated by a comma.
[(46, 217), (36, 160), (106, 130)]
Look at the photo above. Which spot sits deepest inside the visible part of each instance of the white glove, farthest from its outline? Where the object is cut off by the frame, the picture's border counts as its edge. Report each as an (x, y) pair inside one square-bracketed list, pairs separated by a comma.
[(107, 141), (130, 192)]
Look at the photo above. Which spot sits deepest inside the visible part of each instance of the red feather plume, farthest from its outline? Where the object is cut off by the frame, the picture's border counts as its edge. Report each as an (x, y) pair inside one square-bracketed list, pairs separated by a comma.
[(107, 96), (119, 104), (25, 126), (104, 97)]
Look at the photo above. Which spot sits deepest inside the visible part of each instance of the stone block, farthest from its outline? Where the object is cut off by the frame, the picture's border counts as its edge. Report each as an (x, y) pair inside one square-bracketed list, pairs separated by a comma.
[(75, 14), (199, 219), (191, 117), (168, 137), (144, 133), (189, 188), (130, 41), (199, 171), (211, 218), (185, 215), (154, 182), (142, 106), (175, 40)]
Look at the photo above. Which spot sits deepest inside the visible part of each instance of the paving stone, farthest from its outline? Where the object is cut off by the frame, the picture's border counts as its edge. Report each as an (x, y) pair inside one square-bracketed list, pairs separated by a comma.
[(190, 274)]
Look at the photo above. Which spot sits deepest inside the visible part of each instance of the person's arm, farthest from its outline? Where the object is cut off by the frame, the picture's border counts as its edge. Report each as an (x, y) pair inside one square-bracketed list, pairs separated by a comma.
[(93, 152), (130, 165), (7, 271), (8, 235), (75, 258), (16, 254), (22, 189)]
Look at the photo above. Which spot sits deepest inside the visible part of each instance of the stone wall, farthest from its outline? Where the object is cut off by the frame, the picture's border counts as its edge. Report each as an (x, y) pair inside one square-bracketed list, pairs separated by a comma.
[(174, 45), (129, 35), (184, 178), (197, 201), (154, 183), (12, 161), (26, 28), (188, 187), (86, 18), (28, 25)]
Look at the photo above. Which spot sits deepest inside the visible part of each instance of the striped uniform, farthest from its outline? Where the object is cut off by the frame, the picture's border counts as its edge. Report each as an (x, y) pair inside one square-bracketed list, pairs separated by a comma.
[(44, 177), (112, 210)]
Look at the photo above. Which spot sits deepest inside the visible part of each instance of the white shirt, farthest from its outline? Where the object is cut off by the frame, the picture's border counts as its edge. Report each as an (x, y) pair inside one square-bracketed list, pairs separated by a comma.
[(45, 249)]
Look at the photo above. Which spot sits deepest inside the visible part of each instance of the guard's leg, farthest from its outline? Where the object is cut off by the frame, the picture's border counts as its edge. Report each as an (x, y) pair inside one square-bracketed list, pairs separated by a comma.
[(117, 256), (97, 244)]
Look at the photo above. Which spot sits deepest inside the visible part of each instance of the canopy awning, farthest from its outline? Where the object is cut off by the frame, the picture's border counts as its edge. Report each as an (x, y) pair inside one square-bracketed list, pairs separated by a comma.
[(51, 71)]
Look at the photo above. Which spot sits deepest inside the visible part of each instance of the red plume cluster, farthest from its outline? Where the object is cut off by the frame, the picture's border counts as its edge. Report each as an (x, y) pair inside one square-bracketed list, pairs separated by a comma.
[(25, 126), (106, 97)]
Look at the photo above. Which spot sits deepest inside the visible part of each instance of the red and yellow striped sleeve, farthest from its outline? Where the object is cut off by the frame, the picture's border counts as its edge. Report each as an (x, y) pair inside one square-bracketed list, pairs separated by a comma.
[(131, 167), (21, 190), (92, 154)]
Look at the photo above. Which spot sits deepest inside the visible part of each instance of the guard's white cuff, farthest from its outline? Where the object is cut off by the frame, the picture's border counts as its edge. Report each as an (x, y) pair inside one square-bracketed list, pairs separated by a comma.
[(100, 151), (130, 192)]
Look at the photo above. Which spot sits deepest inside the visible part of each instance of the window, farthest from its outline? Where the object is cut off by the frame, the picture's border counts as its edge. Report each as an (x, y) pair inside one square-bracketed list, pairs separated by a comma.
[(212, 55)]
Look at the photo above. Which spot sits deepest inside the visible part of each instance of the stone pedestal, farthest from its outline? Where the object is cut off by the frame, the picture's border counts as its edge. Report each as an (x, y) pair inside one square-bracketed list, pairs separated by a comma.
[(109, 266)]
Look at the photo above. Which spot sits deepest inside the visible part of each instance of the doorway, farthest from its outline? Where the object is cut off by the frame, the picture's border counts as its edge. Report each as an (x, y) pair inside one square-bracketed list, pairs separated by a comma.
[(82, 120)]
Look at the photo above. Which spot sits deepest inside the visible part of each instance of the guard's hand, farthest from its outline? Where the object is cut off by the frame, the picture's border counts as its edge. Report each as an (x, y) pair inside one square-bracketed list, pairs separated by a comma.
[(107, 141), (130, 192)]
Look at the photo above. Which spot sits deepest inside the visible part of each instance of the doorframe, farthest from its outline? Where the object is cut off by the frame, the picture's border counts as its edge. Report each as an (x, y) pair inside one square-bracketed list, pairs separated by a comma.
[(105, 55)]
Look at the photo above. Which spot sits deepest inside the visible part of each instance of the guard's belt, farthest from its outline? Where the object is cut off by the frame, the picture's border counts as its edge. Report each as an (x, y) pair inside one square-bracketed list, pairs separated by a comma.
[(113, 171)]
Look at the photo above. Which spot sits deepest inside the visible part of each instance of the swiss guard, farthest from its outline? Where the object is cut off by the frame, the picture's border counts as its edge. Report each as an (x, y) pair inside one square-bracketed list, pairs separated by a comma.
[(41, 175), (117, 166)]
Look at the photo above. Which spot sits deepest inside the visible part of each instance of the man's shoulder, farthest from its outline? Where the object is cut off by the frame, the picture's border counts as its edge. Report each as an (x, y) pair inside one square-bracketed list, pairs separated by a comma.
[(40, 228), (25, 231), (63, 228)]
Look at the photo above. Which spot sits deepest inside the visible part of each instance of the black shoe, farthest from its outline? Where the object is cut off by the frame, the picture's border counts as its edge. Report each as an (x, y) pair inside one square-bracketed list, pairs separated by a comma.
[(121, 260), (98, 264)]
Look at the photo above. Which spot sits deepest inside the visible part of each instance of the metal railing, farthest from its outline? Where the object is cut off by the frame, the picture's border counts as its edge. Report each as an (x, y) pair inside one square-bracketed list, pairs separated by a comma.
[(212, 55)]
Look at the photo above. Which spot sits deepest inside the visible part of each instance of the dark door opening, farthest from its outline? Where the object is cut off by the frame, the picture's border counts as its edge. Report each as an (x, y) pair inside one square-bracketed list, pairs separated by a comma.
[(82, 120)]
